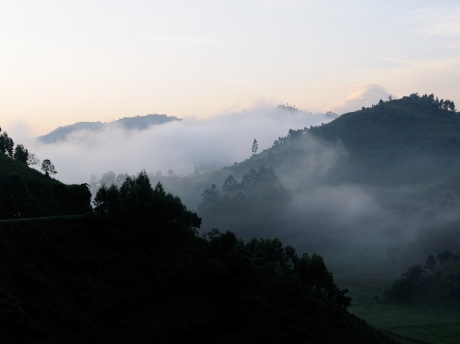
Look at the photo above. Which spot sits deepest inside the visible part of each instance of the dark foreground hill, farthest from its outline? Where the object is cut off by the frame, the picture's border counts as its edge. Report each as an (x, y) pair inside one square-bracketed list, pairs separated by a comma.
[(33, 194), (137, 272), (128, 123)]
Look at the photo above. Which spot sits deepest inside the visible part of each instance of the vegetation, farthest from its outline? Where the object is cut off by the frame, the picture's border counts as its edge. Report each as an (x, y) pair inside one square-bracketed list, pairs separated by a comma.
[(251, 206), (136, 271), (429, 278), (33, 194)]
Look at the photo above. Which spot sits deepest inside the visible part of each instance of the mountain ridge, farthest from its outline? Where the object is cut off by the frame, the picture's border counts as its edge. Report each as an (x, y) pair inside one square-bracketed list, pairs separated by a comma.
[(128, 123)]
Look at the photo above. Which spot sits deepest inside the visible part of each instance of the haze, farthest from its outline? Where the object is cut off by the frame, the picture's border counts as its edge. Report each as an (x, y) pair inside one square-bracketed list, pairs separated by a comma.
[(63, 62)]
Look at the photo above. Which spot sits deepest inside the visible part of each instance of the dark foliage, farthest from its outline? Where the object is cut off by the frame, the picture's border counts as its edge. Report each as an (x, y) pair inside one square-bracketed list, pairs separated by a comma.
[(6, 144), (256, 202), (33, 194), (48, 167), (429, 279), (102, 279)]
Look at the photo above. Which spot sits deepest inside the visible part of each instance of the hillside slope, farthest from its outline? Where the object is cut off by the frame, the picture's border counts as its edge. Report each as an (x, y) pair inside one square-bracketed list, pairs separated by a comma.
[(33, 194), (398, 142), (93, 279)]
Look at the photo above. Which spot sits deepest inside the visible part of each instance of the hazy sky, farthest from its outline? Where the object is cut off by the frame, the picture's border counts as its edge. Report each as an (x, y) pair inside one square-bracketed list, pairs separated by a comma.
[(68, 61)]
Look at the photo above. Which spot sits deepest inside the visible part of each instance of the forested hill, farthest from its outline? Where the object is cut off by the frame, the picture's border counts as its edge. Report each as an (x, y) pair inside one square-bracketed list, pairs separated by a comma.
[(415, 139), (137, 272), (129, 123), (34, 194)]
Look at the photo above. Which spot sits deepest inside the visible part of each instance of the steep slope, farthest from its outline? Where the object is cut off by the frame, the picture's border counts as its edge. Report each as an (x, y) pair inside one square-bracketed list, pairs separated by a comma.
[(398, 142), (129, 123), (33, 194), (115, 279)]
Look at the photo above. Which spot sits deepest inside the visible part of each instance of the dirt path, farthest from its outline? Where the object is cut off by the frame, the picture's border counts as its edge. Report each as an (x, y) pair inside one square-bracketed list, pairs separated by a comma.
[(39, 218)]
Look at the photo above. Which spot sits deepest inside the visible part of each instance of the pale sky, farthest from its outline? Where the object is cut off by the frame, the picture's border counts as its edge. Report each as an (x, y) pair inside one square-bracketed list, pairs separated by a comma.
[(67, 61)]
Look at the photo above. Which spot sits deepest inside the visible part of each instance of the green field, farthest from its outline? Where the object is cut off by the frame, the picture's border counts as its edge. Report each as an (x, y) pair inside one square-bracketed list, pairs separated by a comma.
[(424, 320)]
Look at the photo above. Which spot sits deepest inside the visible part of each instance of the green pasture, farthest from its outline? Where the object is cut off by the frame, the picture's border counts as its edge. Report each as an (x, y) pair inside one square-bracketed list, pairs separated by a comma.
[(431, 319)]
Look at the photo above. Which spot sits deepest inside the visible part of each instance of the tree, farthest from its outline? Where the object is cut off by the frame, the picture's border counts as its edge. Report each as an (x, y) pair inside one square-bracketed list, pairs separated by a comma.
[(255, 147), (108, 178), (32, 159), (402, 290), (48, 167), (430, 263), (21, 154), (6, 144)]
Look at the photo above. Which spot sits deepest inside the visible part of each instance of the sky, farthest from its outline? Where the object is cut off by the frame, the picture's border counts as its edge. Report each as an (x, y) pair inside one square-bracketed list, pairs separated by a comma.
[(63, 62)]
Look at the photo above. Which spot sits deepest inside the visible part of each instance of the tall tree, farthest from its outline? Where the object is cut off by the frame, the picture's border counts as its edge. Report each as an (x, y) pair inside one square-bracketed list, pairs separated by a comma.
[(255, 147), (6, 144), (48, 167), (21, 154)]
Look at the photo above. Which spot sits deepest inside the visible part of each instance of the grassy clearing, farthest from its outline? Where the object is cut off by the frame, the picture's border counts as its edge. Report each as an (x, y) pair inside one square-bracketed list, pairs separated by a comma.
[(424, 320)]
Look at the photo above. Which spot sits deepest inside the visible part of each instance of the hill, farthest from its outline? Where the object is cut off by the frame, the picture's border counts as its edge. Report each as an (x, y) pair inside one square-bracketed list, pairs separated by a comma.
[(137, 272), (396, 143), (34, 194), (128, 123)]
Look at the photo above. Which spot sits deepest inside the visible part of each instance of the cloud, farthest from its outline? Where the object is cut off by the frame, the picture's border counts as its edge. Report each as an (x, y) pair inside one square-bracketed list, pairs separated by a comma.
[(207, 144), (437, 21), (364, 95)]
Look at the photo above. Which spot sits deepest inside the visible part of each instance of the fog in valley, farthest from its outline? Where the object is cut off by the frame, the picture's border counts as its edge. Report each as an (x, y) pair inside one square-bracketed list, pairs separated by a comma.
[(206, 144), (353, 224)]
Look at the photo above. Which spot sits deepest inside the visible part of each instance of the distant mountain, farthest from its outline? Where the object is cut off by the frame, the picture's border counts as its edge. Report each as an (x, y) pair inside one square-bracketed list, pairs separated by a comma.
[(129, 123)]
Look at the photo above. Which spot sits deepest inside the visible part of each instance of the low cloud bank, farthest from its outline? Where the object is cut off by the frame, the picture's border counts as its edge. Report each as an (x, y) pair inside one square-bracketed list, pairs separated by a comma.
[(180, 146)]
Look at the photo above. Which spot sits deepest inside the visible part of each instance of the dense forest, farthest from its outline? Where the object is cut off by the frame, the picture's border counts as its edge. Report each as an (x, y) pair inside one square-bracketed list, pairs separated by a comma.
[(135, 270)]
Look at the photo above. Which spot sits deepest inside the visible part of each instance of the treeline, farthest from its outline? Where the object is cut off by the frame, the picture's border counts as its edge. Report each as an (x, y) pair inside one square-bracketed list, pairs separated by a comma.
[(138, 203), (137, 200), (254, 204), (19, 152), (440, 278), (429, 102), (103, 277)]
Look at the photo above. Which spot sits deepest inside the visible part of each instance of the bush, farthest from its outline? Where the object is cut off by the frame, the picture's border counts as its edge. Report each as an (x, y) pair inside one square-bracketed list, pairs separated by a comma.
[(402, 290)]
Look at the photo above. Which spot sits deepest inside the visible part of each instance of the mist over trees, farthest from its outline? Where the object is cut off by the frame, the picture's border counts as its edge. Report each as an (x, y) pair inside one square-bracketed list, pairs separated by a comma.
[(252, 205), (364, 180)]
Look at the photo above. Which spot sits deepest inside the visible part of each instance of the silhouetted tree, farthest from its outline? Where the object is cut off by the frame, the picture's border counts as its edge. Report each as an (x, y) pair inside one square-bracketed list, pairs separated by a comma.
[(6, 144), (21, 154), (48, 167), (255, 147)]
